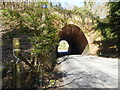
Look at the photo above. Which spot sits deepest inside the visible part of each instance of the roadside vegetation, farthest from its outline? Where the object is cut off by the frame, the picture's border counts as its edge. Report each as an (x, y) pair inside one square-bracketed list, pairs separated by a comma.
[(35, 27)]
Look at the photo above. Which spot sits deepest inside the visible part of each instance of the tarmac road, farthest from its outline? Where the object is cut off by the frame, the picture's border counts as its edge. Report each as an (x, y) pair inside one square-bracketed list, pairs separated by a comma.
[(89, 72)]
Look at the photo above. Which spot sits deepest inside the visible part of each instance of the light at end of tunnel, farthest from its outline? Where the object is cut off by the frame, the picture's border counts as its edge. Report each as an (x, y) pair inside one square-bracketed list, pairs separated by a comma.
[(63, 46)]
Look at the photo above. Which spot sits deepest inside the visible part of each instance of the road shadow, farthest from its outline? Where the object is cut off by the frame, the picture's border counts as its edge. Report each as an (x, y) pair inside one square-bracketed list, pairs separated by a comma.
[(80, 78), (64, 58), (85, 81)]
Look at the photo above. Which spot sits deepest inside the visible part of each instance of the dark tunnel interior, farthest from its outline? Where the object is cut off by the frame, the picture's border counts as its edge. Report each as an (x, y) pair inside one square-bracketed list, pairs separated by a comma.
[(75, 38)]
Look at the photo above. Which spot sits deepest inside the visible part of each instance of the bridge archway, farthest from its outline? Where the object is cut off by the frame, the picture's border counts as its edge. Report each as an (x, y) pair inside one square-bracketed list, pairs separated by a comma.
[(75, 38)]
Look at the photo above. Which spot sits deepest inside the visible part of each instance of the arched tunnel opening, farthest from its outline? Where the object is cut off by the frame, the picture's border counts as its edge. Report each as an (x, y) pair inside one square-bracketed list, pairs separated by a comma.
[(75, 38), (63, 48)]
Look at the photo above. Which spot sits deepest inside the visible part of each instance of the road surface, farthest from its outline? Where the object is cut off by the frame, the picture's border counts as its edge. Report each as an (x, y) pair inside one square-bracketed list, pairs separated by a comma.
[(88, 72)]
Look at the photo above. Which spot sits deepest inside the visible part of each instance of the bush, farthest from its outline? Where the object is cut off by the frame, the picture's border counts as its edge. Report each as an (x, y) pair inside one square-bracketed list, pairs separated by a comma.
[(40, 24)]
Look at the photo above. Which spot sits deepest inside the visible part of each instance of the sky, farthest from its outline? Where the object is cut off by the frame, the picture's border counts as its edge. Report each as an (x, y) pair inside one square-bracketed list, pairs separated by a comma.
[(78, 3), (68, 3)]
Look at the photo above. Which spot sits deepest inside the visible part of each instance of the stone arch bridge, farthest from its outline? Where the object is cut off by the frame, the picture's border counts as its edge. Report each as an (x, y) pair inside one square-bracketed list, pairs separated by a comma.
[(79, 36)]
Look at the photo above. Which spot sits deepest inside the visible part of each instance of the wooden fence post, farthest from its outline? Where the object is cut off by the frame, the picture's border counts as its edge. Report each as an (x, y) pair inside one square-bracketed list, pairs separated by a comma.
[(17, 63)]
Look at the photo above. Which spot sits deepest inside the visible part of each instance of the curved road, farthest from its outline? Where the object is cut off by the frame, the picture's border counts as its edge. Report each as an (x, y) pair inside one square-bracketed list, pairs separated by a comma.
[(89, 72)]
